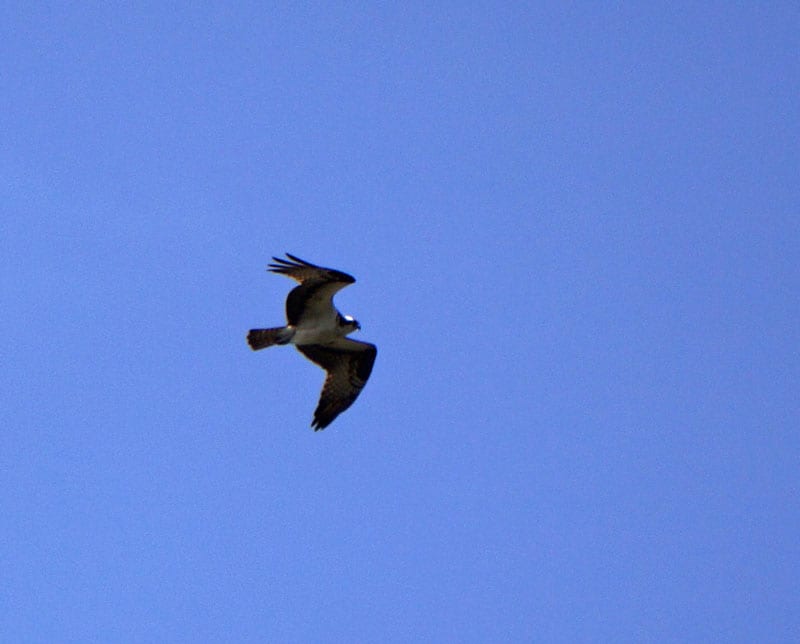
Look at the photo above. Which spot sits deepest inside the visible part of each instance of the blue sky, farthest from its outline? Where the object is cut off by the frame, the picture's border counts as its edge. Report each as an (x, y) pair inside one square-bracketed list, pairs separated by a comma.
[(575, 232)]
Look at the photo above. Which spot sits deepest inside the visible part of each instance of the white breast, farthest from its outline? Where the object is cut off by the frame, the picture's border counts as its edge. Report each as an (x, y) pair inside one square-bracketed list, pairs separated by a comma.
[(319, 329)]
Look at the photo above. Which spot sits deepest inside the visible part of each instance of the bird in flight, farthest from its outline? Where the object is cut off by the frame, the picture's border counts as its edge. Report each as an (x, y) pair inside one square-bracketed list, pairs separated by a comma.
[(320, 333)]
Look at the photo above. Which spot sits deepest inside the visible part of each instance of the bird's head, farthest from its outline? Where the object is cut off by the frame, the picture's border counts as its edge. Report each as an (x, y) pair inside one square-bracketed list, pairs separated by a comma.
[(350, 323)]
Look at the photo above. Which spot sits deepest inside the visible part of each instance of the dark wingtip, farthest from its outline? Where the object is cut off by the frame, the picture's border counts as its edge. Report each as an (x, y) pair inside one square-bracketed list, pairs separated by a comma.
[(295, 258), (281, 265)]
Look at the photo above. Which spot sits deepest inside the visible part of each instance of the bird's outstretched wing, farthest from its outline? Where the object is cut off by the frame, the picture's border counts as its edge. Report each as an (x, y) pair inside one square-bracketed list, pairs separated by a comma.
[(349, 364), (318, 285), (306, 272)]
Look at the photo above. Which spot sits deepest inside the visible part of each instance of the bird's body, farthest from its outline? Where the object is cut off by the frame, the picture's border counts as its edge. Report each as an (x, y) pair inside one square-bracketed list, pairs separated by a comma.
[(320, 332)]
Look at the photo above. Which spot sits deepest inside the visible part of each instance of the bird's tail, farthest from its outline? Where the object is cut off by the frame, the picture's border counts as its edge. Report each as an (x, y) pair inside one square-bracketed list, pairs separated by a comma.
[(263, 338)]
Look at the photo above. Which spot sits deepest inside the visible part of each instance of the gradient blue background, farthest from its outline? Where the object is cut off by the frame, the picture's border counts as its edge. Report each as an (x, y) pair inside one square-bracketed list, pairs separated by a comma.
[(576, 237)]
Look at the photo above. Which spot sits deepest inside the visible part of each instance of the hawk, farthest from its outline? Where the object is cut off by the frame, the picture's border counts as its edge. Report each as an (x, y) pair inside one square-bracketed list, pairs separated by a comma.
[(320, 333)]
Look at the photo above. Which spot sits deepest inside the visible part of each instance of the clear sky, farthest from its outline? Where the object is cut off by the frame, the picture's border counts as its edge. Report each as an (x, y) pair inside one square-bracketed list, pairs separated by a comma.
[(576, 238)]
